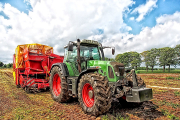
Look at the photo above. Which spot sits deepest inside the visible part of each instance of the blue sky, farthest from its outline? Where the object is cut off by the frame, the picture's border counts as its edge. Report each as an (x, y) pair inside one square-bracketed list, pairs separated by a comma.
[(129, 25), (21, 5), (163, 7)]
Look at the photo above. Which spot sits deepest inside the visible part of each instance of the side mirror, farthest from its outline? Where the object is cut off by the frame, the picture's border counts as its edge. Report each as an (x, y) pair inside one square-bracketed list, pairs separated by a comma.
[(70, 46), (113, 51)]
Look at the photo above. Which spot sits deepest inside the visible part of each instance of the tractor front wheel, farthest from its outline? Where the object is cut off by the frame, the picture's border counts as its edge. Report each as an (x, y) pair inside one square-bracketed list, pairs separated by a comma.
[(94, 94), (58, 86)]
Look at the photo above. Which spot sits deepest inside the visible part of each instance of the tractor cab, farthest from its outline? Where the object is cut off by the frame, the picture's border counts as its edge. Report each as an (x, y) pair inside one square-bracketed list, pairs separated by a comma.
[(89, 50)]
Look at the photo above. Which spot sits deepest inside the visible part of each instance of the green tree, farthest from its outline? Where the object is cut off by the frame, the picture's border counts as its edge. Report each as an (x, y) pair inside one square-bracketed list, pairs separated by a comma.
[(1, 64), (135, 59), (106, 59), (166, 57), (5, 66), (109, 59), (145, 59), (123, 58), (152, 57), (112, 59), (129, 59), (175, 61), (177, 52), (171, 57), (9, 65)]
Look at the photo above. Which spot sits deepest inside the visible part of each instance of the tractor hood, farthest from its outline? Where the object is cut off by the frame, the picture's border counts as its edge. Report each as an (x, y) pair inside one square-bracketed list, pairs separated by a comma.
[(113, 70), (102, 64)]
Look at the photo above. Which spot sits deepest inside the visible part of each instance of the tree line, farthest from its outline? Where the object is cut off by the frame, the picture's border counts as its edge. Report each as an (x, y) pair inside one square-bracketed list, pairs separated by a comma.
[(9, 65), (162, 57)]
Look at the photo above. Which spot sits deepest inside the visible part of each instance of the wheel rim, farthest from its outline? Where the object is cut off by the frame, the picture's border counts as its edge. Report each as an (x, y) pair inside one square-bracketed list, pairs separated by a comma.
[(88, 99), (56, 84), (124, 97)]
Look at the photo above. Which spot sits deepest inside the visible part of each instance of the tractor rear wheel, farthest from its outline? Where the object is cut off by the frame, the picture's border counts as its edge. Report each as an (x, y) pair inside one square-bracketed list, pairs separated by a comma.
[(94, 94), (58, 86)]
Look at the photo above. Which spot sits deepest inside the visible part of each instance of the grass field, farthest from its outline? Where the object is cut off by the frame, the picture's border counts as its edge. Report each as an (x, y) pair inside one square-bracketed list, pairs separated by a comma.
[(157, 71), (16, 104)]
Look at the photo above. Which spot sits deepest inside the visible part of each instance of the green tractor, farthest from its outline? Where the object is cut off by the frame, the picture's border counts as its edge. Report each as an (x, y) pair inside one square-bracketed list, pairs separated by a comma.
[(84, 74)]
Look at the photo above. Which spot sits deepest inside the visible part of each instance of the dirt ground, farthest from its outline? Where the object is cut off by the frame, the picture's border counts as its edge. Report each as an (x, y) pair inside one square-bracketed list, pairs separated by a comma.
[(15, 103)]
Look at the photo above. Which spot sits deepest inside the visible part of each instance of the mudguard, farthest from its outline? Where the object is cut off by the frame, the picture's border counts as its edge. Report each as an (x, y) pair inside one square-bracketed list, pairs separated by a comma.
[(63, 68)]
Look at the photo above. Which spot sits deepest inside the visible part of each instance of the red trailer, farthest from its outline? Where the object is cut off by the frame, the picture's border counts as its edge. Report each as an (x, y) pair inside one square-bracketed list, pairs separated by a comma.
[(32, 64)]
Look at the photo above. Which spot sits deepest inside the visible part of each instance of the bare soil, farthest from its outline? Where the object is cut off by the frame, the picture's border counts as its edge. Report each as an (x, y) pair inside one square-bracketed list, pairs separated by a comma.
[(15, 103)]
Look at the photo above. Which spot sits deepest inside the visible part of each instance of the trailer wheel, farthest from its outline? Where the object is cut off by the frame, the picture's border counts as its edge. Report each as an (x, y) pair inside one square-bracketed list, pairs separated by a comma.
[(27, 89), (58, 86), (94, 94)]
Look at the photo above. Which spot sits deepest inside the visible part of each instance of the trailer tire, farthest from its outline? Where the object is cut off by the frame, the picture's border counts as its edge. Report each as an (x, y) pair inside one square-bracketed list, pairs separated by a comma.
[(58, 85), (27, 90), (94, 94)]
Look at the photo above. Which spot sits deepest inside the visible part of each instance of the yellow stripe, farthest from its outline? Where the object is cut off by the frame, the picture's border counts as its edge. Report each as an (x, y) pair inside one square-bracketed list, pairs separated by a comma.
[(14, 75)]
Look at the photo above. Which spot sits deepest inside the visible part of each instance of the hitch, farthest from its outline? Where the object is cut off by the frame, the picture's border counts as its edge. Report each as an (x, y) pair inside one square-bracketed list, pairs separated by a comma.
[(134, 93), (139, 95)]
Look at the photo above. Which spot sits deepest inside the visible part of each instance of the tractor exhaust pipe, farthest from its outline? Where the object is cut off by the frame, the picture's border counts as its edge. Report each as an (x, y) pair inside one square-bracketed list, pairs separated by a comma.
[(78, 55)]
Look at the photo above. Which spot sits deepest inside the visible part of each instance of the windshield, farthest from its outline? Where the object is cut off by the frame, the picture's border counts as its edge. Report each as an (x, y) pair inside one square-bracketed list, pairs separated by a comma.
[(89, 53)]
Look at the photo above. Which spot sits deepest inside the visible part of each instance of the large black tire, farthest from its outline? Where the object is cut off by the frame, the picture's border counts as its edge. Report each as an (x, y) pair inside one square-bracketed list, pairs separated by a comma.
[(101, 94), (58, 92)]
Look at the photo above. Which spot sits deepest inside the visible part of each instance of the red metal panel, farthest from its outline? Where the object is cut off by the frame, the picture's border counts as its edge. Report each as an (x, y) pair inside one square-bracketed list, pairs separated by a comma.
[(17, 76), (35, 64), (21, 80)]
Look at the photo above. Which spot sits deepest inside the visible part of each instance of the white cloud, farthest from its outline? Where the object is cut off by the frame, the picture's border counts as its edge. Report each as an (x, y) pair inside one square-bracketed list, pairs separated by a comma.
[(164, 34), (165, 18), (142, 10), (131, 18), (27, 2), (56, 22)]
